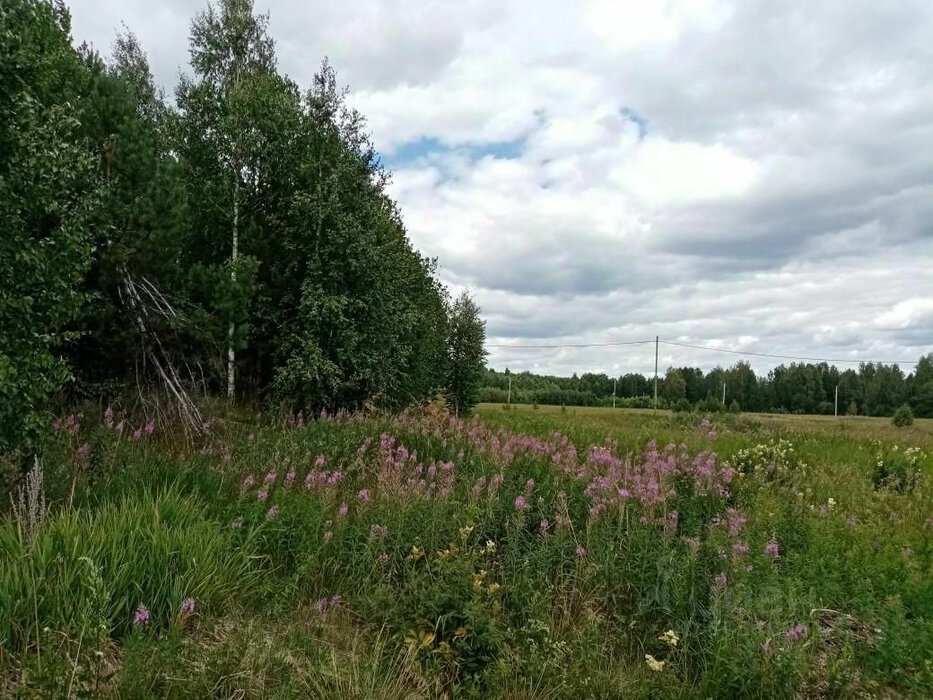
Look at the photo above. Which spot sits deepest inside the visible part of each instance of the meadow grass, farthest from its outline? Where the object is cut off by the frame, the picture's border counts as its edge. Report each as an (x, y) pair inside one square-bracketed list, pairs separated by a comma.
[(522, 553)]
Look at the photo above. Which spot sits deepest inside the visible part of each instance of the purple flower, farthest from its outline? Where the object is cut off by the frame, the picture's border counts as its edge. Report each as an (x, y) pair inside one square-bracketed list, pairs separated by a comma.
[(364, 496), (272, 512), (796, 633), (82, 451), (580, 551), (720, 581), (335, 601), (521, 503), (137, 433), (343, 510), (187, 606), (142, 616), (249, 482), (322, 606), (772, 550), (739, 548), (271, 477), (544, 525), (262, 495), (290, 477), (529, 485), (150, 428)]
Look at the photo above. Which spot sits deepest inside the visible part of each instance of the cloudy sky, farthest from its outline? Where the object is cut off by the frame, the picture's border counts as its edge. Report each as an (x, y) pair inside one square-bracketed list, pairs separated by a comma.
[(749, 175)]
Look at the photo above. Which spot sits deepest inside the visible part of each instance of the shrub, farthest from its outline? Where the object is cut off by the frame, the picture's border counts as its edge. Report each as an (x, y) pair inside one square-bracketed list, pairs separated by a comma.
[(903, 417)]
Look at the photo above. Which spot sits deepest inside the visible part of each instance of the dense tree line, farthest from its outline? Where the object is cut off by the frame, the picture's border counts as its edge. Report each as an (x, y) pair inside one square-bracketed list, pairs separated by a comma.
[(239, 240), (872, 389)]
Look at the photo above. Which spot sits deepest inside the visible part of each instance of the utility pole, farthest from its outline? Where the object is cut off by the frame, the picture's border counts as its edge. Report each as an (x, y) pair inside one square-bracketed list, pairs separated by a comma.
[(614, 382), (655, 373), (510, 390), (836, 406), (723, 393)]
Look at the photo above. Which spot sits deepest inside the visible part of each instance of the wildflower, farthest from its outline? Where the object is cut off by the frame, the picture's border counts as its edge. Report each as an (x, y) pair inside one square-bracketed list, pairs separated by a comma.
[(335, 600), (521, 503), (670, 638), (237, 523), (580, 551), (831, 502), (150, 428), (796, 633), (850, 522), (529, 485), (364, 496), (328, 535), (466, 531), (272, 512), (137, 433), (416, 553), (544, 525), (119, 427), (478, 580), (262, 495), (720, 581), (322, 606), (343, 510), (82, 451), (187, 606), (108, 417), (249, 482), (379, 530), (654, 664), (142, 616), (490, 547), (383, 559), (271, 477), (739, 548), (772, 550), (290, 477)]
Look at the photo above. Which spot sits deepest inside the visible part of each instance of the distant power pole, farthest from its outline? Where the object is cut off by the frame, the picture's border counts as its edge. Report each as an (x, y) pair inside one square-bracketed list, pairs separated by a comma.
[(723, 393), (510, 391), (614, 382), (655, 373), (836, 406)]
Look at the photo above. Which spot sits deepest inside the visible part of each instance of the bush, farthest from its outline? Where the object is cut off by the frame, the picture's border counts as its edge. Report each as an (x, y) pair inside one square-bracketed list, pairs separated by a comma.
[(903, 417)]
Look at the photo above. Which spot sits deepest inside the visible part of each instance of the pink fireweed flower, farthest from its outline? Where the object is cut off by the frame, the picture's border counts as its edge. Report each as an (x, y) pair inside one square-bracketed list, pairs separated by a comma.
[(739, 548), (521, 503), (343, 510), (272, 512), (544, 525), (772, 550), (580, 551), (290, 478), (262, 495), (187, 606), (150, 428), (796, 633), (720, 581), (529, 485), (364, 496), (271, 477), (249, 482), (141, 617), (335, 600), (496, 481), (322, 606), (119, 427), (137, 433), (82, 451)]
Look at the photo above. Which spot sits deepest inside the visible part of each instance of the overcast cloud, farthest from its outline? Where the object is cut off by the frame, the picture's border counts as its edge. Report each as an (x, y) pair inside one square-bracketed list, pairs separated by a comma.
[(749, 175)]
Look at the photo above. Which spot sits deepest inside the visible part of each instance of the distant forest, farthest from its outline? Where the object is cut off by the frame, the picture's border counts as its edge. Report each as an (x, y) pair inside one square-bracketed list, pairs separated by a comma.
[(871, 390)]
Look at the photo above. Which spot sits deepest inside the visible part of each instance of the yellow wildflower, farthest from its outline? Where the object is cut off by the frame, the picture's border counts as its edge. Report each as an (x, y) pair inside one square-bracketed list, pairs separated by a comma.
[(670, 638), (416, 553), (654, 664)]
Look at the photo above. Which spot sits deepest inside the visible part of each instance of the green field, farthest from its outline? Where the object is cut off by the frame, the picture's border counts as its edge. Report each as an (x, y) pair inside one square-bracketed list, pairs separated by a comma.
[(529, 553)]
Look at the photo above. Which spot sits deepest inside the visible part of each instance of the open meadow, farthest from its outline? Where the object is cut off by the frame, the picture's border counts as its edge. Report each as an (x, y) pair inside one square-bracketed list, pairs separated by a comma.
[(533, 553)]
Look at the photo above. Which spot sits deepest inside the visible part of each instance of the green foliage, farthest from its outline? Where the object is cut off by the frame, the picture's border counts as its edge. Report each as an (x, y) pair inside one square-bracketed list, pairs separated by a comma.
[(466, 354), (47, 189), (903, 417)]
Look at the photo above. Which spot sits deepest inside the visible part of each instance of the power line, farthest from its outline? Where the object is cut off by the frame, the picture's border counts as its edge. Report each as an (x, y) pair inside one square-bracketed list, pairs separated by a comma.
[(786, 357), (749, 353), (570, 345)]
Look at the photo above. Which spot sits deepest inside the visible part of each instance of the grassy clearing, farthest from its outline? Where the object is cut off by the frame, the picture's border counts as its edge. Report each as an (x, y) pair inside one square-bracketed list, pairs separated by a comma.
[(529, 553)]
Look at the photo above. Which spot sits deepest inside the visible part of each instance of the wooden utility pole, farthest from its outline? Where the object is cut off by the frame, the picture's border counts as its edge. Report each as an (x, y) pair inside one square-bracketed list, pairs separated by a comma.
[(723, 393), (510, 390), (655, 373), (614, 383), (836, 403)]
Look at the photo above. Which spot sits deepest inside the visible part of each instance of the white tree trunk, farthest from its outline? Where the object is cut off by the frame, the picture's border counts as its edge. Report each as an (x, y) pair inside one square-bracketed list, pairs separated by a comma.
[(231, 353)]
